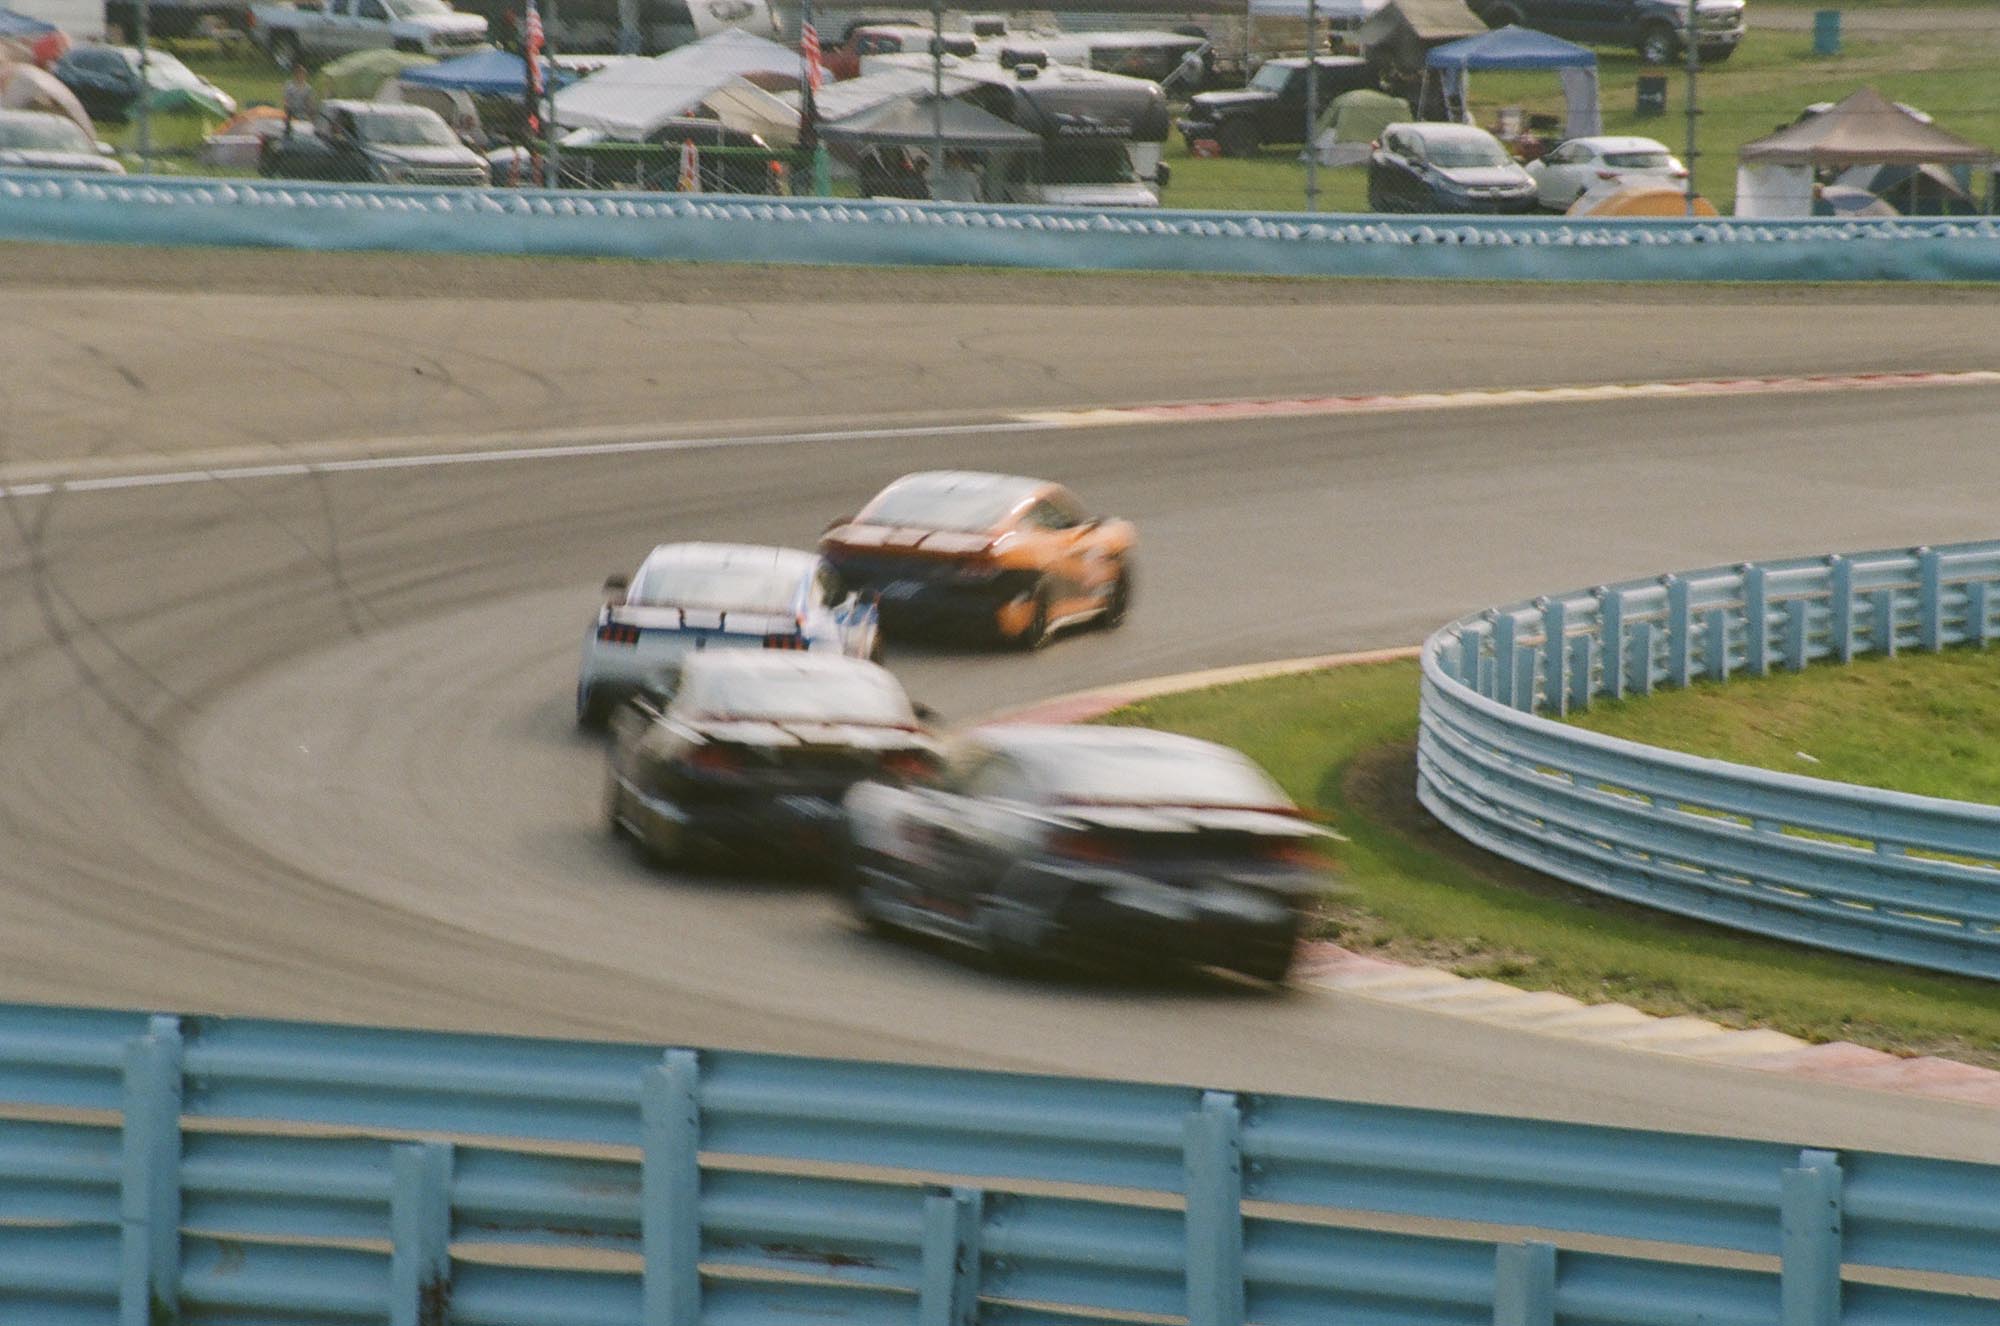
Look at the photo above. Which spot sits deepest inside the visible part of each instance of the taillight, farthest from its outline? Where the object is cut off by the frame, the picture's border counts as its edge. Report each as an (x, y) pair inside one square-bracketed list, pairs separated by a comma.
[(785, 642), (1607, 174), (1085, 847), (908, 764), (618, 633), (1286, 851), (713, 759)]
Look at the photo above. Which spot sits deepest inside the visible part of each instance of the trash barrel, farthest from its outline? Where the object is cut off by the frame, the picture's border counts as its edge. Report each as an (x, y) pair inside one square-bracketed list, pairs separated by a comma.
[(1826, 32), (1652, 94)]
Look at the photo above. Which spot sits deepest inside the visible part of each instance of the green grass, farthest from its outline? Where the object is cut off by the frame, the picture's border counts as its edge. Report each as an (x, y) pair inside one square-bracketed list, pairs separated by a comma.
[(1342, 742), (1926, 723), (241, 71), (1770, 79)]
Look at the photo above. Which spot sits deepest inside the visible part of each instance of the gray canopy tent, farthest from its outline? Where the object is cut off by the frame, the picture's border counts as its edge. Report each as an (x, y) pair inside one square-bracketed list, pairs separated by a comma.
[(1775, 174), (1447, 67), (891, 144)]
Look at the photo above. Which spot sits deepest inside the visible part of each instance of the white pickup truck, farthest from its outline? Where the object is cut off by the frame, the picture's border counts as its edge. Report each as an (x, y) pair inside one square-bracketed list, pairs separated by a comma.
[(316, 31)]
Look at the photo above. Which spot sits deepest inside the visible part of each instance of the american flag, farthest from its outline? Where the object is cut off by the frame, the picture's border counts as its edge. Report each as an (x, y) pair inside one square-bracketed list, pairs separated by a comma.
[(809, 47), (532, 38)]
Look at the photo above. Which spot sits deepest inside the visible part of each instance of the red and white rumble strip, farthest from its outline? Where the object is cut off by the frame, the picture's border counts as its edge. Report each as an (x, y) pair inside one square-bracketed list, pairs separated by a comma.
[(1331, 967), (1392, 403)]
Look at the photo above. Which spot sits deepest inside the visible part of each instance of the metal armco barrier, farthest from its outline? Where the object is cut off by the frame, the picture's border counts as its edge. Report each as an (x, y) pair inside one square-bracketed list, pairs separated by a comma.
[(1879, 874), (294, 215), (193, 1169)]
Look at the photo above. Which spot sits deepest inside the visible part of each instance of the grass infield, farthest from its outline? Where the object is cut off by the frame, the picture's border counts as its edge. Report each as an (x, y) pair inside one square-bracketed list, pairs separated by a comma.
[(1343, 742)]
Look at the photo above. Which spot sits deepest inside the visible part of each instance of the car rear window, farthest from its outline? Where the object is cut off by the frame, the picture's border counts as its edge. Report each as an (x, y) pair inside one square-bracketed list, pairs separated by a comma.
[(962, 507), (1182, 776), (745, 587), (808, 694), (1462, 153), (1636, 160)]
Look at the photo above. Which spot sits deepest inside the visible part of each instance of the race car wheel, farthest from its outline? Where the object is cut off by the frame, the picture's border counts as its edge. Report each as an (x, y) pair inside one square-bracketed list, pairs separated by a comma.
[(1036, 634), (1270, 965), (1238, 138), (1658, 45), (860, 891), (593, 709), (1120, 602)]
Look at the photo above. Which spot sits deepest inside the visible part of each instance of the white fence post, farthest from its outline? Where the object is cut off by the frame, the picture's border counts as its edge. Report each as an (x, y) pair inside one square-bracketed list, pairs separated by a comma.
[(149, 1199)]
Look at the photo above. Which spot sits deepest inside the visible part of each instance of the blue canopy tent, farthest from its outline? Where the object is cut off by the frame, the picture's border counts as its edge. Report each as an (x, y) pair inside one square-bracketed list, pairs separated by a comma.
[(486, 74), (23, 25), (1447, 67)]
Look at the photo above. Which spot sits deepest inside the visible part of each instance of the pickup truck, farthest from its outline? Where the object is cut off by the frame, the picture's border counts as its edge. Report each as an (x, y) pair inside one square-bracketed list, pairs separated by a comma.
[(315, 31), (1656, 29), (357, 142), (1272, 109)]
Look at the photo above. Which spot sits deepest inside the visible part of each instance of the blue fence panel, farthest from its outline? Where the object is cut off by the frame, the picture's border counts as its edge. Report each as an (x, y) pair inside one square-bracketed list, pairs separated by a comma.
[(1864, 871), (292, 214)]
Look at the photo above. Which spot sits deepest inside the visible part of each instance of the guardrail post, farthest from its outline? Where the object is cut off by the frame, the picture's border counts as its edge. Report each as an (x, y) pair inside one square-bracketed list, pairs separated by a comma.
[(1930, 600), (1555, 659), (1506, 657), (1524, 1284), (1579, 674), (1979, 613), (1680, 631), (1798, 614), (1882, 622), (420, 1234), (1715, 644), (1810, 1241), (949, 1294), (149, 1198), (1756, 621), (1212, 1153), (1611, 629), (1469, 642), (670, 1190), (1642, 659), (1841, 601)]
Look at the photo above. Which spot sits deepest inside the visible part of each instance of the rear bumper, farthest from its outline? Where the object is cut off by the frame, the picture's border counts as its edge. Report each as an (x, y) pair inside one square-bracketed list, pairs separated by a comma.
[(1118, 917), (930, 599), (791, 824)]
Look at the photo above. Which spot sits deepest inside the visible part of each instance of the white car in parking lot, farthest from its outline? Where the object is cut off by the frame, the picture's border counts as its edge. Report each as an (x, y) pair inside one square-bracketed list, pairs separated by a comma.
[(1584, 165)]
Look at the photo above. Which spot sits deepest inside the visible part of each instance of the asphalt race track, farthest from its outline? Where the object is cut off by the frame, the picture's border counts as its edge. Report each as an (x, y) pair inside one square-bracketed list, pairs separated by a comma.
[(300, 745)]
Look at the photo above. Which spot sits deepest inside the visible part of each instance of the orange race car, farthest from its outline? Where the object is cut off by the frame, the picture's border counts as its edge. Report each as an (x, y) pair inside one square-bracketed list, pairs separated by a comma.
[(991, 555)]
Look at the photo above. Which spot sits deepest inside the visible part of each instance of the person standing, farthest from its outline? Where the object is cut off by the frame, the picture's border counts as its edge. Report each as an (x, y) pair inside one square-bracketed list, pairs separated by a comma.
[(300, 100)]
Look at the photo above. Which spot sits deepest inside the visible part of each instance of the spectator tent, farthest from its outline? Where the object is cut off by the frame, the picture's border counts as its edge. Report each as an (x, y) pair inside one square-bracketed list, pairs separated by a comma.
[(1775, 174), (633, 98), (1353, 122), (1447, 70), (487, 74)]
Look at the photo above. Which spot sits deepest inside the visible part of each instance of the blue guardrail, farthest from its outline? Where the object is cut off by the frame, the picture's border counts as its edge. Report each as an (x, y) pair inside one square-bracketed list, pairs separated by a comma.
[(165, 1171), (1879, 874), (293, 215)]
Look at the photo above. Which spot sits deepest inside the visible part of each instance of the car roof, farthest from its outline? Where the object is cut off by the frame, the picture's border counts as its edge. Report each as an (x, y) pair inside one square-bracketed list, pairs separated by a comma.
[(1435, 129), (795, 560), (1611, 143), (1012, 488), (1052, 740)]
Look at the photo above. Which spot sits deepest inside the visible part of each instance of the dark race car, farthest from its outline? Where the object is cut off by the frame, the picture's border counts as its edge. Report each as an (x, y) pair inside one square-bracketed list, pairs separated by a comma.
[(749, 753), (1090, 844)]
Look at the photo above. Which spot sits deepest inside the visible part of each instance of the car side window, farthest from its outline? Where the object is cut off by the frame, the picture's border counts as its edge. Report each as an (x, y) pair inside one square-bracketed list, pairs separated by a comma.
[(372, 9), (1047, 514), (338, 8)]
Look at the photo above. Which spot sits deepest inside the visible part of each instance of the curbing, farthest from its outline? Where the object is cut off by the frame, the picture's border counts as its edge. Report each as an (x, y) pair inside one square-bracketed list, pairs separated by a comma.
[(1327, 966)]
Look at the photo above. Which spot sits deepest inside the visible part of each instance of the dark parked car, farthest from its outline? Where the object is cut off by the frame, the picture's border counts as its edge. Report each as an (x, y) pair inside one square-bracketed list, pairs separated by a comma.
[(1273, 108), (106, 79), (1656, 29), (750, 752), (39, 140), (1090, 844), (1446, 168), (373, 142)]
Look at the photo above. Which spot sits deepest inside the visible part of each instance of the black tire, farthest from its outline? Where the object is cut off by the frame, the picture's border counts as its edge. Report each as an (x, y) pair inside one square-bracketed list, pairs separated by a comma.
[(1270, 965), (1037, 633), (1119, 605), (1657, 44), (284, 50), (1717, 56), (1238, 138), (593, 709)]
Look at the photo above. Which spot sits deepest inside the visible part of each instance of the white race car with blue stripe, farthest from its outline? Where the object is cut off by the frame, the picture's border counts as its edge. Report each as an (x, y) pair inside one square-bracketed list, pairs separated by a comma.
[(689, 596)]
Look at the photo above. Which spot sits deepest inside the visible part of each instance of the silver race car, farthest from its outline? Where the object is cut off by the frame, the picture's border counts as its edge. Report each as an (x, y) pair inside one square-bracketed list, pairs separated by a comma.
[(750, 753), (1090, 844), (688, 597)]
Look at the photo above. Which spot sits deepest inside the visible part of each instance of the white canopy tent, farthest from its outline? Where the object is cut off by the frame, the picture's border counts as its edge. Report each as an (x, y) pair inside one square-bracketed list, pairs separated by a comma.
[(633, 98), (1342, 13)]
